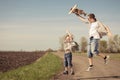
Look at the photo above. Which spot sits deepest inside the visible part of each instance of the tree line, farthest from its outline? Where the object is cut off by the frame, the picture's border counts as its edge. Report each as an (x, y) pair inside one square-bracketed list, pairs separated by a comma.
[(105, 46)]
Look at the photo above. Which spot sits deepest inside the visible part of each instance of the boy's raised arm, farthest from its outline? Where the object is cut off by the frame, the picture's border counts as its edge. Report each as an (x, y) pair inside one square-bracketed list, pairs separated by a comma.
[(70, 35), (82, 18)]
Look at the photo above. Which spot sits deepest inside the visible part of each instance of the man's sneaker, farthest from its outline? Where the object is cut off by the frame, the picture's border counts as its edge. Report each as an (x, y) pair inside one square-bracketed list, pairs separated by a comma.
[(72, 73), (106, 59), (65, 72)]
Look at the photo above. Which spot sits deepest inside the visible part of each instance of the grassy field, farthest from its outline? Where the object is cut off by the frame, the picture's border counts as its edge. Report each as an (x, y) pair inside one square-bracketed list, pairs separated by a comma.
[(42, 69), (113, 56)]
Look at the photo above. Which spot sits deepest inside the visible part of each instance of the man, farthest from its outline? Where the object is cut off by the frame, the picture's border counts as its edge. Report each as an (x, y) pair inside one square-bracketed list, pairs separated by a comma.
[(94, 37)]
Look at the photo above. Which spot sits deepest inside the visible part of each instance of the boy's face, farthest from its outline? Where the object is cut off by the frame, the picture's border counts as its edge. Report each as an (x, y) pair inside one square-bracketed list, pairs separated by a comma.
[(90, 19), (68, 39)]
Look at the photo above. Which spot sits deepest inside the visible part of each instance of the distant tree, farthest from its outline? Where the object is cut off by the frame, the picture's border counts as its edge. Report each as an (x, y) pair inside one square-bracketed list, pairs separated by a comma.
[(61, 41), (49, 50), (114, 44), (103, 45), (110, 46), (83, 44)]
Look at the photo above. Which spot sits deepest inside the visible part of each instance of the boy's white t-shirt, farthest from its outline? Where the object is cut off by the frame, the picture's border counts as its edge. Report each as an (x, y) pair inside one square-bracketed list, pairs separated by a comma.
[(93, 30), (68, 46)]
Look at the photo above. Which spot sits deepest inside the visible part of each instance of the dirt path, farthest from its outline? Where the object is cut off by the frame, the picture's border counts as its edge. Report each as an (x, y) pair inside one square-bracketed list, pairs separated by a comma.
[(101, 71)]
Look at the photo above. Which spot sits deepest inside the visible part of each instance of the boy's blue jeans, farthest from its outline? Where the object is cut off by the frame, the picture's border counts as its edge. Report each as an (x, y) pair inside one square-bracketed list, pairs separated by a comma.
[(68, 59), (93, 47)]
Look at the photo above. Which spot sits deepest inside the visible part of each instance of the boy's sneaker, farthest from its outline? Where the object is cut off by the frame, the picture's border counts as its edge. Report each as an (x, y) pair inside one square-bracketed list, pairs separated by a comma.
[(106, 59), (65, 72), (89, 68), (72, 73)]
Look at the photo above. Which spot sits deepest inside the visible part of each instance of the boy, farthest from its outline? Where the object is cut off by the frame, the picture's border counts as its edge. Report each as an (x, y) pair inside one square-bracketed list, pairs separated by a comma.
[(68, 43), (94, 37)]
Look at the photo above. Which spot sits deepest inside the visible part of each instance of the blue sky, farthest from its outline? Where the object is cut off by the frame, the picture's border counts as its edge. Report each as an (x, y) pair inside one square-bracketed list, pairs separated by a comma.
[(38, 24)]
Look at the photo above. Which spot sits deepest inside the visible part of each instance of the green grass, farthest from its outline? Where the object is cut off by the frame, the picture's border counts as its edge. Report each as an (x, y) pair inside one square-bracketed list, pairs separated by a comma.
[(42, 69)]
